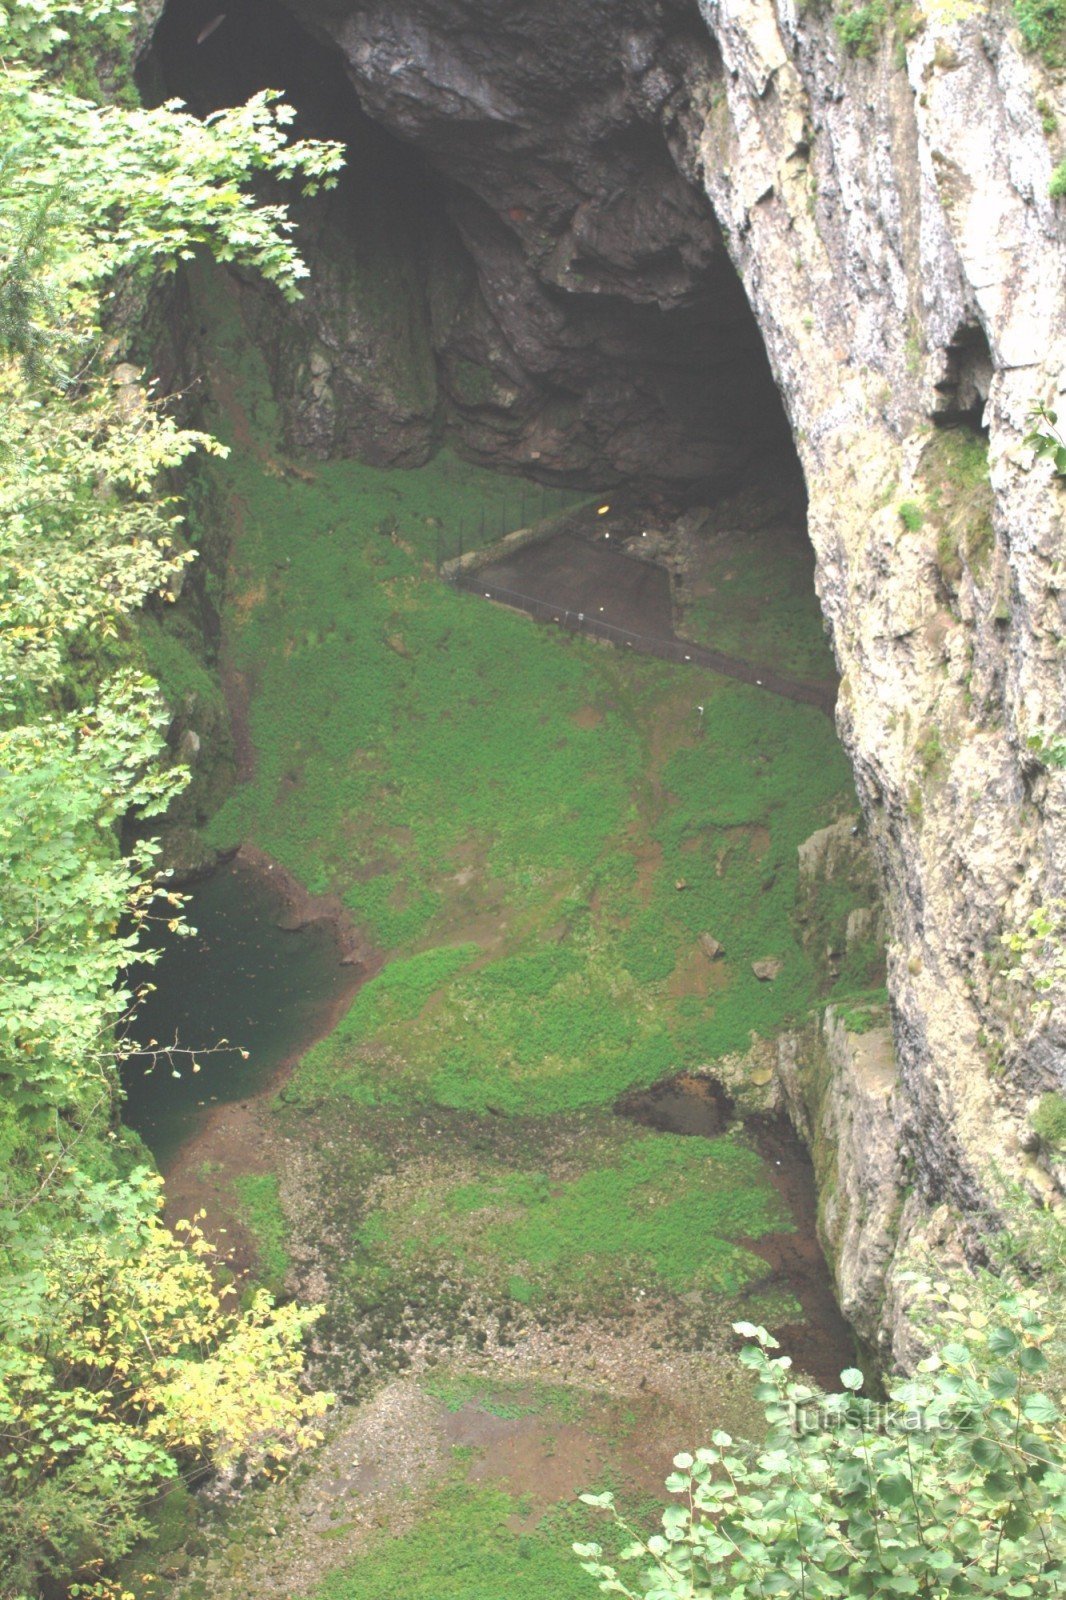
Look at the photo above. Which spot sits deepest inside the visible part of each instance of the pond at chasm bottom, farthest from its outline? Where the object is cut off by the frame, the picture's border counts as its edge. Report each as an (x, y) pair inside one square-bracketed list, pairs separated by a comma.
[(249, 975)]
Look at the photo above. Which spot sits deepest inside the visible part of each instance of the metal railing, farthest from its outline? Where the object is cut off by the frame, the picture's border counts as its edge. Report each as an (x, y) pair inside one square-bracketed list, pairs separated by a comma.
[(536, 503)]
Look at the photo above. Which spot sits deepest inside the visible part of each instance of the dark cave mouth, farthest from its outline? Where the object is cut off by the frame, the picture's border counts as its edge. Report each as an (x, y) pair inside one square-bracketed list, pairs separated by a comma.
[(434, 317)]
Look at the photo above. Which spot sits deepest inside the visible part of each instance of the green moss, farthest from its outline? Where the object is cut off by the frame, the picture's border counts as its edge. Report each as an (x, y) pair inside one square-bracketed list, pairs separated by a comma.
[(562, 1218), (259, 1207), (1049, 122), (397, 995), (864, 1012), (931, 751), (175, 660), (666, 1211), (504, 1398), (428, 758), (385, 696), (1049, 1120), (955, 469), (535, 831), (545, 1028), (473, 385), (465, 1547), (658, 1212)]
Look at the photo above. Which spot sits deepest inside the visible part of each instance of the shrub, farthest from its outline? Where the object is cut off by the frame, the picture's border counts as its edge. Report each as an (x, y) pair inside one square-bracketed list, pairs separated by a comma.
[(1042, 24), (1049, 1120), (953, 1486), (911, 515), (857, 29)]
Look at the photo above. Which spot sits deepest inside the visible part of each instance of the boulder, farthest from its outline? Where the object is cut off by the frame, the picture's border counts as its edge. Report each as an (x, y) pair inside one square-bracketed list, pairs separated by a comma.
[(767, 969)]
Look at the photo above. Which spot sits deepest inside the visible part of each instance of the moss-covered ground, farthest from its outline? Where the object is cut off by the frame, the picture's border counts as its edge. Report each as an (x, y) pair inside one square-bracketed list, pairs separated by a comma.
[(535, 830), (488, 1557), (260, 1209), (753, 597)]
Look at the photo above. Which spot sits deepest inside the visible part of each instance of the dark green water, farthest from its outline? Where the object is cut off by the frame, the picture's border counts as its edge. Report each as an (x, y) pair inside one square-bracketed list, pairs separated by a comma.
[(240, 977)]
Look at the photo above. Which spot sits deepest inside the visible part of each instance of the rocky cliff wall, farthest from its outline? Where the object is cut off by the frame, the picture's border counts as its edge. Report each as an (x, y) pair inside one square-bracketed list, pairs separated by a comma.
[(891, 222)]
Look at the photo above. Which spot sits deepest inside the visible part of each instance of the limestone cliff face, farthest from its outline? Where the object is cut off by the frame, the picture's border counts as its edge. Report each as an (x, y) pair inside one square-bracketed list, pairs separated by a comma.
[(892, 227)]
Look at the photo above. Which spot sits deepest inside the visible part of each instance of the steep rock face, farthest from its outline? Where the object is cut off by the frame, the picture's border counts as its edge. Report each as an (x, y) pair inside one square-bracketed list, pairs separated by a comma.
[(893, 231), (571, 307), (610, 330)]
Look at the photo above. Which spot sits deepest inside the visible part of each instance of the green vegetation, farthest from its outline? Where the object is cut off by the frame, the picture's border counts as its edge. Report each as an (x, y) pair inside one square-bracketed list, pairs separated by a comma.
[(959, 499), (260, 1208), (911, 515), (864, 1012), (1049, 1120), (931, 751), (962, 1493), (1039, 948), (1048, 750), (858, 29), (1057, 187), (623, 996), (465, 1547), (508, 1400), (536, 829), (656, 1211), (1042, 24), (1044, 436), (468, 781), (755, 599), (122, 1366)]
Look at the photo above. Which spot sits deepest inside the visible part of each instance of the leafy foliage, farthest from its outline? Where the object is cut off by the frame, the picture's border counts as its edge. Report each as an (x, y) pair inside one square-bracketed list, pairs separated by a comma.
[(121, 1366), (1039, 948), (1044, 436), (955, 1486), (858, 28), (1042, 24)]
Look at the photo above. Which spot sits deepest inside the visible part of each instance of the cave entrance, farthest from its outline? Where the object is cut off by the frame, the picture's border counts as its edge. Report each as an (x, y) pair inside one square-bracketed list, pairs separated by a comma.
[(604, 344), (591, 340)]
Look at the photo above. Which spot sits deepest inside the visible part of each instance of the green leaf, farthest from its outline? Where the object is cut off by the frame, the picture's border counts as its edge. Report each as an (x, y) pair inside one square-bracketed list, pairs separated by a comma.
[(893, 1490), (1003, 1383), (1017, 1523), (1039, 1408), (986, 1452)]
